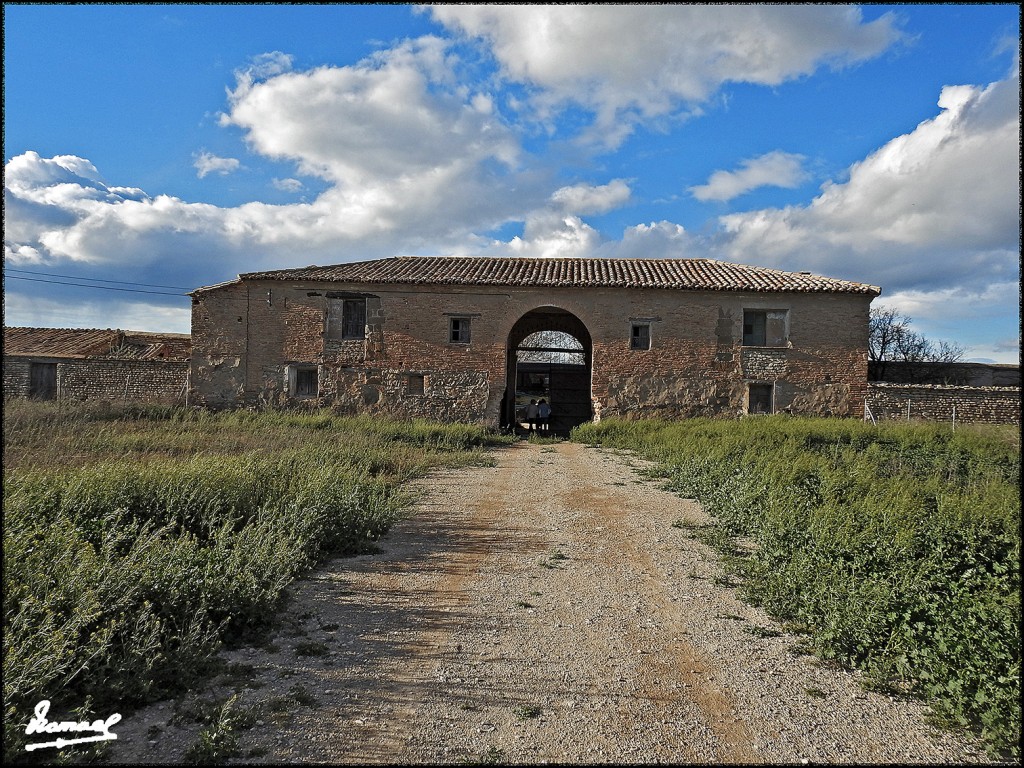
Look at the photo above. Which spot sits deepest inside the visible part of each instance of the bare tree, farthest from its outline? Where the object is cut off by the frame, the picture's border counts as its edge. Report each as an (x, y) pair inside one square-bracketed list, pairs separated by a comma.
[(891, 340)]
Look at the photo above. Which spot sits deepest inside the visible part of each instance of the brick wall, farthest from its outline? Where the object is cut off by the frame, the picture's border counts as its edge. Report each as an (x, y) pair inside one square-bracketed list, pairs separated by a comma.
[(935, 402), (104, 379), (246, 334)]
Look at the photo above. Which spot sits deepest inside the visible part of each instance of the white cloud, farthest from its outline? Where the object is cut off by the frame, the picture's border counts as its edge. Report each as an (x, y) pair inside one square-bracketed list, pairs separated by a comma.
[(287, 185), (589, 199), (975, 318), (641, 62), (934, 207), (131, 315), (206, 163), (775, 169)]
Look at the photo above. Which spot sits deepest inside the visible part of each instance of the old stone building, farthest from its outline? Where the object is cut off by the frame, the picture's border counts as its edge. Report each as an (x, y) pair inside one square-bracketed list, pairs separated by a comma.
[(94, 364), (442, 337)]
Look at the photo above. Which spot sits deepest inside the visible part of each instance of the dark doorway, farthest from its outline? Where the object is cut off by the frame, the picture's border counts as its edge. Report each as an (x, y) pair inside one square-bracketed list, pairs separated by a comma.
[(42, 381), (549, 357)]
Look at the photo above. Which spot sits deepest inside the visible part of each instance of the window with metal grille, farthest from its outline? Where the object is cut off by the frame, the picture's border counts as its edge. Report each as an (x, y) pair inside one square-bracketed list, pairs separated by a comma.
[(346, 319)]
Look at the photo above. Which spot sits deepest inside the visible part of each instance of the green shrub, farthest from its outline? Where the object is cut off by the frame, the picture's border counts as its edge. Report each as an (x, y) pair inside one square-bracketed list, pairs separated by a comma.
[(176, 531), (896, 547)]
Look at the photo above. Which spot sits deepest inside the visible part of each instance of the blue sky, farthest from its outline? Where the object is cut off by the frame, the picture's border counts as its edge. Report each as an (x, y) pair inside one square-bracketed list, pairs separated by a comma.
[(161, 148)]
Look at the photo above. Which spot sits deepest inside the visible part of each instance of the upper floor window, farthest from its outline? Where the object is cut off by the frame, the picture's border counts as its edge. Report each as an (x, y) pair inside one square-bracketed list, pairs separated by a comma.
[(640, 337), (765, 328), (346, 318), (458, 330)]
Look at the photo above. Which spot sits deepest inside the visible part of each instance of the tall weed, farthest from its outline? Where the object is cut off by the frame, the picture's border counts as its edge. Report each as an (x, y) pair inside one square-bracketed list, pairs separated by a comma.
[(173, 532), (896, 547)]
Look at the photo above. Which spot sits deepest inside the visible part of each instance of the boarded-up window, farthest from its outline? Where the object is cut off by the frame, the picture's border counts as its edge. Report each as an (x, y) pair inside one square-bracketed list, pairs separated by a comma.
[(346, 319), (640, 337), (765, 328), (415, 384), (303, 381), (458, 330), (43, 381), (760, 398)]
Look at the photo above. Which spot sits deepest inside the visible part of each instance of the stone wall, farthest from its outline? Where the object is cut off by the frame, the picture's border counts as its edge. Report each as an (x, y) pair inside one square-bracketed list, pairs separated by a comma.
[(104, 379), (248, 335), (935, 402)]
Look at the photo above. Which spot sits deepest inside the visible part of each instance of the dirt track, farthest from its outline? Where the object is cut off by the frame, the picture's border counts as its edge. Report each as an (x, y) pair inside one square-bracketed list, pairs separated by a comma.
[(545, 610)]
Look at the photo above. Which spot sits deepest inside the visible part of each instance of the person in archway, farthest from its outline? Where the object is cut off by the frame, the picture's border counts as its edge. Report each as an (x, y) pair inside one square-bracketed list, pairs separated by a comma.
[(543, 416), (531, 415)]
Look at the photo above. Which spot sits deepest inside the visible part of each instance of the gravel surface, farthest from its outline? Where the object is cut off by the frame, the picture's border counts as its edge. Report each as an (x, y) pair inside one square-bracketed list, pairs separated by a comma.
[(542, 610)]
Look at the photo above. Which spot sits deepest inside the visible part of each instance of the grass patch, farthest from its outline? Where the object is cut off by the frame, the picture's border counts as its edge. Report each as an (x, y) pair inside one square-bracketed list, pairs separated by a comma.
[(139, 541), (896, 548)]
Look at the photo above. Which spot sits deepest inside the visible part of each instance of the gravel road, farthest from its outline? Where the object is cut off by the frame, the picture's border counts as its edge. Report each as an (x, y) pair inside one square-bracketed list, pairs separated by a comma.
[(543, 610)]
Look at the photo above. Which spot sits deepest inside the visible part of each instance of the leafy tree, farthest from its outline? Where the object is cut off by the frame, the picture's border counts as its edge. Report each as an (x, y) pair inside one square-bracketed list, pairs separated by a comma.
[(891, 340)]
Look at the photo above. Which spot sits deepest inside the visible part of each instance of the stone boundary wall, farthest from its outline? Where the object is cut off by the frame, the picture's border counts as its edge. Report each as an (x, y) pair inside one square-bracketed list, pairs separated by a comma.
[(935, 402), (105, 379)]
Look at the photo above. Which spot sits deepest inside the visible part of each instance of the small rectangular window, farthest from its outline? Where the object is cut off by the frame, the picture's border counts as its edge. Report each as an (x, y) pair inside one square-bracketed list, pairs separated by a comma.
[(303, 381), (641, 336), (458, 330), (760, 398), (765, 328), (415, 384), (346, 319)]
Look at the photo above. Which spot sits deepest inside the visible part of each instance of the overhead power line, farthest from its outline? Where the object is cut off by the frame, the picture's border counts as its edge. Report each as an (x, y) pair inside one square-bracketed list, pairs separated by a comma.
[(94, 279), (99, 287)]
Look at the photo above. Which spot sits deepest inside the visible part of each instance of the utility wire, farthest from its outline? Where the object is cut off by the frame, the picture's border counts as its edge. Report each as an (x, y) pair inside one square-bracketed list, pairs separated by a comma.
[(93, 279), (100, 287)]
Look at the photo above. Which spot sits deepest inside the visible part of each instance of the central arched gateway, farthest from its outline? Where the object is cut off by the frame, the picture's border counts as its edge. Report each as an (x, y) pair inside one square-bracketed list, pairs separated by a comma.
[(560, 372)]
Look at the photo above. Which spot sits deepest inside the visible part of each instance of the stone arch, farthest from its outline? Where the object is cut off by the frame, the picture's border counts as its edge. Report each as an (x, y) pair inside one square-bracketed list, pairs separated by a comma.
[(567, 387)]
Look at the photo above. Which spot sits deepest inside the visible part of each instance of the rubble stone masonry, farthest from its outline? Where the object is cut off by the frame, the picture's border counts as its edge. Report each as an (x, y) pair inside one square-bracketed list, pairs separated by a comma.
[(114, 380), (936, 402)]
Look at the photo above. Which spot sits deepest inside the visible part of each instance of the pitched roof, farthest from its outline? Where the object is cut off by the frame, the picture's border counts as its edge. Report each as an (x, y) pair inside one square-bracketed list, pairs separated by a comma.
[(94, 342), (679, 274)]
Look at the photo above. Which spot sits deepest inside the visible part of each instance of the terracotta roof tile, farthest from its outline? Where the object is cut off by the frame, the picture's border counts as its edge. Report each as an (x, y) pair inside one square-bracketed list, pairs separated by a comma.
[(679, 274), (94, 342)]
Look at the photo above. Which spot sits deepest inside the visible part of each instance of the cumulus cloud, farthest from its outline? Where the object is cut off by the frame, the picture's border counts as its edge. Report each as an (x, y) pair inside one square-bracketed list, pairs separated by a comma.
[(775, 169), (968, 315), (586, 198), (936, 206), (127, 314), (287, 185), (626, 63), (206, 163)]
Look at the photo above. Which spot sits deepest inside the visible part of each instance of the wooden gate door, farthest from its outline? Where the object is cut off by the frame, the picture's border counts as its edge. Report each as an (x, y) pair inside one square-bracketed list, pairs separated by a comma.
[(43, 381)]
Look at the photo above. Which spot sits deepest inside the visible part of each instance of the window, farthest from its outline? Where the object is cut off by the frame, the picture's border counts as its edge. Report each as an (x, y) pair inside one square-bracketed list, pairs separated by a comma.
[(458, 330), (765, 328), (346, 319), (641, 336), (303, 381), (760, 398), (415, 384)]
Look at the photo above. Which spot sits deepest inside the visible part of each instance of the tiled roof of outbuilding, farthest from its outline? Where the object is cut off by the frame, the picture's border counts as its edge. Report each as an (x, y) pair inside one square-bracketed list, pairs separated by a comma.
[(679, 274), (94, 342)]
